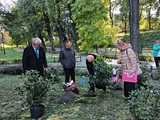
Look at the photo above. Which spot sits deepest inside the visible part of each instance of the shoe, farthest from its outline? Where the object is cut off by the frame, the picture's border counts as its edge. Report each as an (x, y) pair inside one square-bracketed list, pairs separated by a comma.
[(90, 94)]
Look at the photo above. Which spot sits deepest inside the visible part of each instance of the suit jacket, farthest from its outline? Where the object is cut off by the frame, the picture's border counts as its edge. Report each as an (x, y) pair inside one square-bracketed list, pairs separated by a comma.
[(31, 62)]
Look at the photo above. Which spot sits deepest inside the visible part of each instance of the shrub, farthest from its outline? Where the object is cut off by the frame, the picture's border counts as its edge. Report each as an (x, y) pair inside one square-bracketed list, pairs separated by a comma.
[(35, 86), (145, 104), (103, 71), (144, 77)]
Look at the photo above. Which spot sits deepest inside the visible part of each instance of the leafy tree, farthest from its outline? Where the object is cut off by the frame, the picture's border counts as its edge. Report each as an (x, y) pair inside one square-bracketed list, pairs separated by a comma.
[(149, 6), (113, 4), (124, 14), (90, 16)]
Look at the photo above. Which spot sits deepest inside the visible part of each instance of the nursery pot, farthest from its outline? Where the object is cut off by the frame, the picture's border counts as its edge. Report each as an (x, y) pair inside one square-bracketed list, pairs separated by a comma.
[(37, 110)]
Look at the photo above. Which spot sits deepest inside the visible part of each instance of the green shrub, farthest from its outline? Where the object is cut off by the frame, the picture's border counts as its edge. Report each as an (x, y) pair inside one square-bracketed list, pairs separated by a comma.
[(145, 104), (144, 77), (103, 71), (35, 86)]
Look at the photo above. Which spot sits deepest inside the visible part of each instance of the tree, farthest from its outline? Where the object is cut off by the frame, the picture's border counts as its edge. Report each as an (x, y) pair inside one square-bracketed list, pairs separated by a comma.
[(148, 7), (112, 5), (124, 15), (92, 23), (2, 38), (134, 23)]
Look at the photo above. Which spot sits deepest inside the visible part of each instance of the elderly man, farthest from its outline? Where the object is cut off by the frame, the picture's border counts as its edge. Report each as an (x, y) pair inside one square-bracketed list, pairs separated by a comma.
[(34, 57)]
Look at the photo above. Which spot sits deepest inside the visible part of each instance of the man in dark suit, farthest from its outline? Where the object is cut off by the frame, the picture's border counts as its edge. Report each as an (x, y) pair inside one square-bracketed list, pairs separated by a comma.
[(34, 57)]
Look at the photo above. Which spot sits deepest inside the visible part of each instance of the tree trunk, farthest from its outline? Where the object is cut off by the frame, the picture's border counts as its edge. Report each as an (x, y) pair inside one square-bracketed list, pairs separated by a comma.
[(43, 43), (61, 34), (59, 28), (110, 13), (73, 29), (125, 25), (4, 51), (48, 27), (149, 19), (17, 45), (134, 24)]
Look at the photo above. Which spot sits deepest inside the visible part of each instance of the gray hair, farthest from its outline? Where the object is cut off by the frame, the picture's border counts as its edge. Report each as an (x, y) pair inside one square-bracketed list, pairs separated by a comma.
[(36, 41)]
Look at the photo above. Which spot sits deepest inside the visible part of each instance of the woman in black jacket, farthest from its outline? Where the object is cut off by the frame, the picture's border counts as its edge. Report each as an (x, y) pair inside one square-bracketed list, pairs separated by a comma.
[(68, 61)]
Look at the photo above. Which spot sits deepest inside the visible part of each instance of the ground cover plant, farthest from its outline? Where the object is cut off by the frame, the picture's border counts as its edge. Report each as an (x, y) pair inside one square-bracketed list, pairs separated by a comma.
[(110, 105)]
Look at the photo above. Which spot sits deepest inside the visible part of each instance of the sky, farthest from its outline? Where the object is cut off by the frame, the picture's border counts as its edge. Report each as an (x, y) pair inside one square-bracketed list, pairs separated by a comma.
[(7, 3)]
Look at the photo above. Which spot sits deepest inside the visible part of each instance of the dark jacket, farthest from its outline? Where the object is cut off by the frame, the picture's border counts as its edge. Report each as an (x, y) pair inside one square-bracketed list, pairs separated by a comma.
[(31, 62), (90, 66), (67, 58)]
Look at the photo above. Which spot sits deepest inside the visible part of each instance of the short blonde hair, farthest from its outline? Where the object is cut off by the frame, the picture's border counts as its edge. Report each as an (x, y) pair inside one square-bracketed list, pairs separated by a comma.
[(36, 41)]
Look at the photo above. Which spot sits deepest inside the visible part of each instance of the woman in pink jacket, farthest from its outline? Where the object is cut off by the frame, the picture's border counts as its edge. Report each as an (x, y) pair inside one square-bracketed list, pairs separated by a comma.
[(128, 60)]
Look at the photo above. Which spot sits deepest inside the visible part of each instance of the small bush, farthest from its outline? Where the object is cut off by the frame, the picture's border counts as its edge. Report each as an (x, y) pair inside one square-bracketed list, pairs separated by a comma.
[(145, 104), (144, 77), (36, 86), (103, 71)]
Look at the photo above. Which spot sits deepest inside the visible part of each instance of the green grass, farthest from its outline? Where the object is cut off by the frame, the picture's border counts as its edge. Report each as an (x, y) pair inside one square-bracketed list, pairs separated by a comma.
[(106, 106), (10, 103), (12, 54), (52, 58)]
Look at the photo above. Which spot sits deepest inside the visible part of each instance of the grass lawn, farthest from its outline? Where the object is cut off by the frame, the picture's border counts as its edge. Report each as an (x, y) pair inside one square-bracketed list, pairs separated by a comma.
[(106, 106), (11, 55), (10, 103), (14, 54)]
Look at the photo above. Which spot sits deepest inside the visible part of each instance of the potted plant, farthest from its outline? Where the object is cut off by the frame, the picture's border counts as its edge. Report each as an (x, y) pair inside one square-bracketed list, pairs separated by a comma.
[(35, 88)]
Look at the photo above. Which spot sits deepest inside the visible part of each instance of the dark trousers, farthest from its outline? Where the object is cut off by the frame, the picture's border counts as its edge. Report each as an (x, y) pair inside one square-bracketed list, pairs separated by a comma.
[(92, 85), (69, 73), (157, 60), (128, 88)]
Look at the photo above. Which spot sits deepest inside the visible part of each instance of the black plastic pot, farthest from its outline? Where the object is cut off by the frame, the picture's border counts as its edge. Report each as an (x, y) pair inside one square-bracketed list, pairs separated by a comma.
[(37, 111)]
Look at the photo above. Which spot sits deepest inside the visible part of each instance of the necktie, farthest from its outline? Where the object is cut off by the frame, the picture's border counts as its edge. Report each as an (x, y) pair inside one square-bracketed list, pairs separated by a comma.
[(37, 53)]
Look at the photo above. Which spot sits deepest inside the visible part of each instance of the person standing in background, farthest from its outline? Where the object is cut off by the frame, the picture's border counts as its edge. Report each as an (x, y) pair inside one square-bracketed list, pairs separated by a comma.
[(34, 57), (68, 61), (156, 52)]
